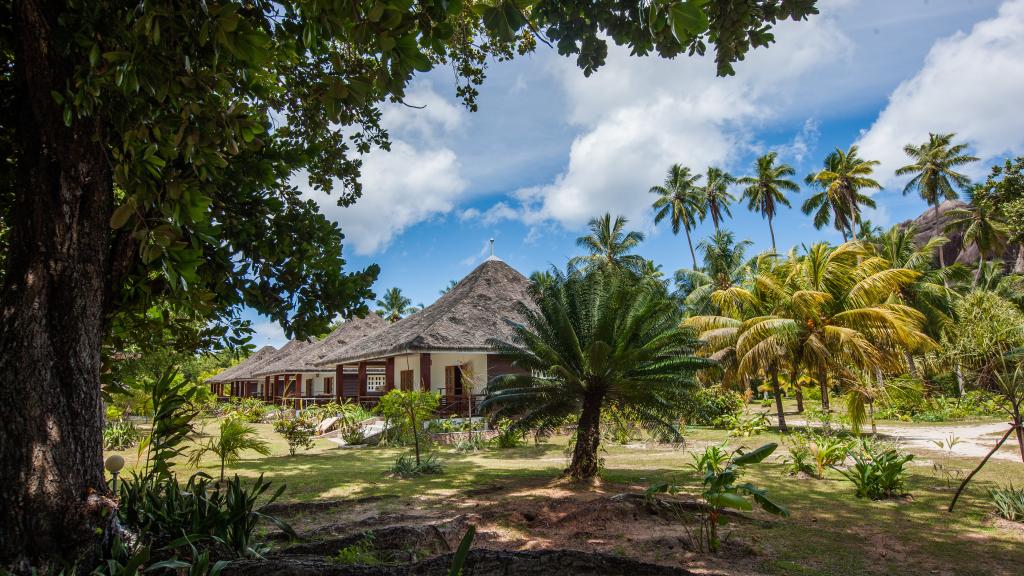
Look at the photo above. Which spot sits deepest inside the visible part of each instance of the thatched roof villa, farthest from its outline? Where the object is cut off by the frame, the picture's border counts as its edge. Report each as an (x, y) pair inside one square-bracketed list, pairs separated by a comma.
[(240, 378), (442, 347)]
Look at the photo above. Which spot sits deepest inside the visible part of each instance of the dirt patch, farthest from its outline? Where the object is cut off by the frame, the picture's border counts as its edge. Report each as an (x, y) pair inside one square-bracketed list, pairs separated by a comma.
[(290, 508)]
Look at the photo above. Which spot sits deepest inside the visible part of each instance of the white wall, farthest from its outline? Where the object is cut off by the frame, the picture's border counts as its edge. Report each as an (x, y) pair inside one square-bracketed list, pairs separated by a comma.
[(407, 362), (439, 361)]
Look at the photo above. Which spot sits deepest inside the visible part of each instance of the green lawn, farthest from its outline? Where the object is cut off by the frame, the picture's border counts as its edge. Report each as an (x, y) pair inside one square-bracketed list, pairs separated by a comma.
[(830, 531)]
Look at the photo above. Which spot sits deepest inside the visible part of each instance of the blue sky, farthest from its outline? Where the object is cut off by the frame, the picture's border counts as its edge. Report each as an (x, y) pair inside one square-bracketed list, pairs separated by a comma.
[(550, 149)]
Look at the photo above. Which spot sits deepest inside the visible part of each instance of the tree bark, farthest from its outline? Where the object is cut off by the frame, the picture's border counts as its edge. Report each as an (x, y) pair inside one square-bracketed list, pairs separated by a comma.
[(52, 315), (823, 384), (588, 439), (777, 391), (689, 241), (771, 230), (942, 255)]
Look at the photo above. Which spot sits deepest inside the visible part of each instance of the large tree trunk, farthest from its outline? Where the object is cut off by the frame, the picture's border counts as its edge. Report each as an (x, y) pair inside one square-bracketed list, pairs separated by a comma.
[(588, 439), (942, 249), (52, 315), (777, 391), (771, 230)]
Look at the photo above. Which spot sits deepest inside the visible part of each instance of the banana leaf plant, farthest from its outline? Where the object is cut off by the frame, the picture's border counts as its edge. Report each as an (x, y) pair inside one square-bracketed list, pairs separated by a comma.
[(721, 490)]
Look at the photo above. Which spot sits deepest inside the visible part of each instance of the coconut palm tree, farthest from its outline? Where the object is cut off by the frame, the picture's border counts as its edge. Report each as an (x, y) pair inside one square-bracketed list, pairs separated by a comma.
[(681, 202), (765, 190), (725, 265), (716, 194), (594, 342), (839, 198), (979, 224), (609, 246), (933, 168), (394, 305)]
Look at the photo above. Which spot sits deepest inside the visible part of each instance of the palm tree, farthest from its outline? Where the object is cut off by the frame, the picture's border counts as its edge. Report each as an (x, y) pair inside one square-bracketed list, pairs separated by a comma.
[(725, 265), (448, 288), (932, 167), (394, 305), (764, 191), (594, 342), (233, 437), (839, 198), (716, 194), (979, 224), (609, 246), (680, 201)]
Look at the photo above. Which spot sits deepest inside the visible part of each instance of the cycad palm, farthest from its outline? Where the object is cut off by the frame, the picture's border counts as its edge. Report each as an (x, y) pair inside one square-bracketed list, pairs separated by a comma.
[(680, 201), (765, 190), (716, 194), (594, 342), (839, 198), (394, 305), (609, 246)]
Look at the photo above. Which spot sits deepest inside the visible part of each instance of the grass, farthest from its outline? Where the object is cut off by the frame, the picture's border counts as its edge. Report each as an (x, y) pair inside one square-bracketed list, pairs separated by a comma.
[(830, 531)]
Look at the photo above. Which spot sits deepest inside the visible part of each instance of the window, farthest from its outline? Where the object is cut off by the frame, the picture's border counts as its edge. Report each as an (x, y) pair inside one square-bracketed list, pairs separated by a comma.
[(374, 382), (406, 376), (328, 385)]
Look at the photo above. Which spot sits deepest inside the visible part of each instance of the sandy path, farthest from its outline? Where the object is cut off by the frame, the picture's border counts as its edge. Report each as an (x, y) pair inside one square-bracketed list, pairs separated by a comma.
[(973, 440)]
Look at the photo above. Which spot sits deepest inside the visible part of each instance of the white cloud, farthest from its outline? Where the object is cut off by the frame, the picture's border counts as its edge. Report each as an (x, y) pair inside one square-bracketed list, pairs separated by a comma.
[(640, 115), (966, 84), (268, 333), (401, 188), (418, 179)]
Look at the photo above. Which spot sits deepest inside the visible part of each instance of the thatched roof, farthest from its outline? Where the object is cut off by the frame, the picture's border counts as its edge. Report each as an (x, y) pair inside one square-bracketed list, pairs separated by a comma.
[(472, 312), (310, 358), (273, 366), (257, 358)]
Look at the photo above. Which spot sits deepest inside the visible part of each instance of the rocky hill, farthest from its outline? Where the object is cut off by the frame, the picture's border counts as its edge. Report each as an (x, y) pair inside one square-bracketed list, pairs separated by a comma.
[(928, 224)]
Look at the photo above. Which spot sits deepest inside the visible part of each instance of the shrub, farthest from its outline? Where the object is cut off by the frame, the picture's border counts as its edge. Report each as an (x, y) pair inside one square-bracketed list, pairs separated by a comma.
[(1009, 503), (811, 453), (252, 410), (406, 466), (298, 432), (746, 426), (120, 435), (509, 436), (232, 438), (878, 473), (405, 413), (711, 406)]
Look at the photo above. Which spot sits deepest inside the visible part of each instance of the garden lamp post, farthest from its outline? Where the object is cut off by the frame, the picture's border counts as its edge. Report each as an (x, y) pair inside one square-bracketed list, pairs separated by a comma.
[(114, 464)]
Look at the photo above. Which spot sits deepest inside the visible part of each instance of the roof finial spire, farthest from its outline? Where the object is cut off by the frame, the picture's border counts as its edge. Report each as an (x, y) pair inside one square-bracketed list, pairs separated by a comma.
[(492, 247)]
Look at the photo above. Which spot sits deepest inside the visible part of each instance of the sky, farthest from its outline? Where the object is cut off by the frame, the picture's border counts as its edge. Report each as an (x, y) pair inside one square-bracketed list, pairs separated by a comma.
[(549, 148)]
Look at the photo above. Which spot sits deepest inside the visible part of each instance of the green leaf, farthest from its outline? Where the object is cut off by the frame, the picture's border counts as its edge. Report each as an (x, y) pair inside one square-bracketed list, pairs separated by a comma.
[(459, 559), (761, 497), (729, 500), (123, 213), (688, 19), (756, 455), (94, 55)]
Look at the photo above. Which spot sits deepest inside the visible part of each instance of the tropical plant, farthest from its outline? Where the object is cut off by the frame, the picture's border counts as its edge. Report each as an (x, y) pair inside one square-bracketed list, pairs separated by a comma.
[(812, 453), (234, 436), (711, 406), (681, 202), (745, 426), (766, 189), (508, 436), (363, 552), (720, 490), (609, 246), (592, 342), (725, 265), (877, 473), (839, 197), (120, 435), (716, 194), (406, 467), (298, 432), (932, 165), (864, 391), (394, 305), (979, 224), (404, 413), (1008, 502)]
